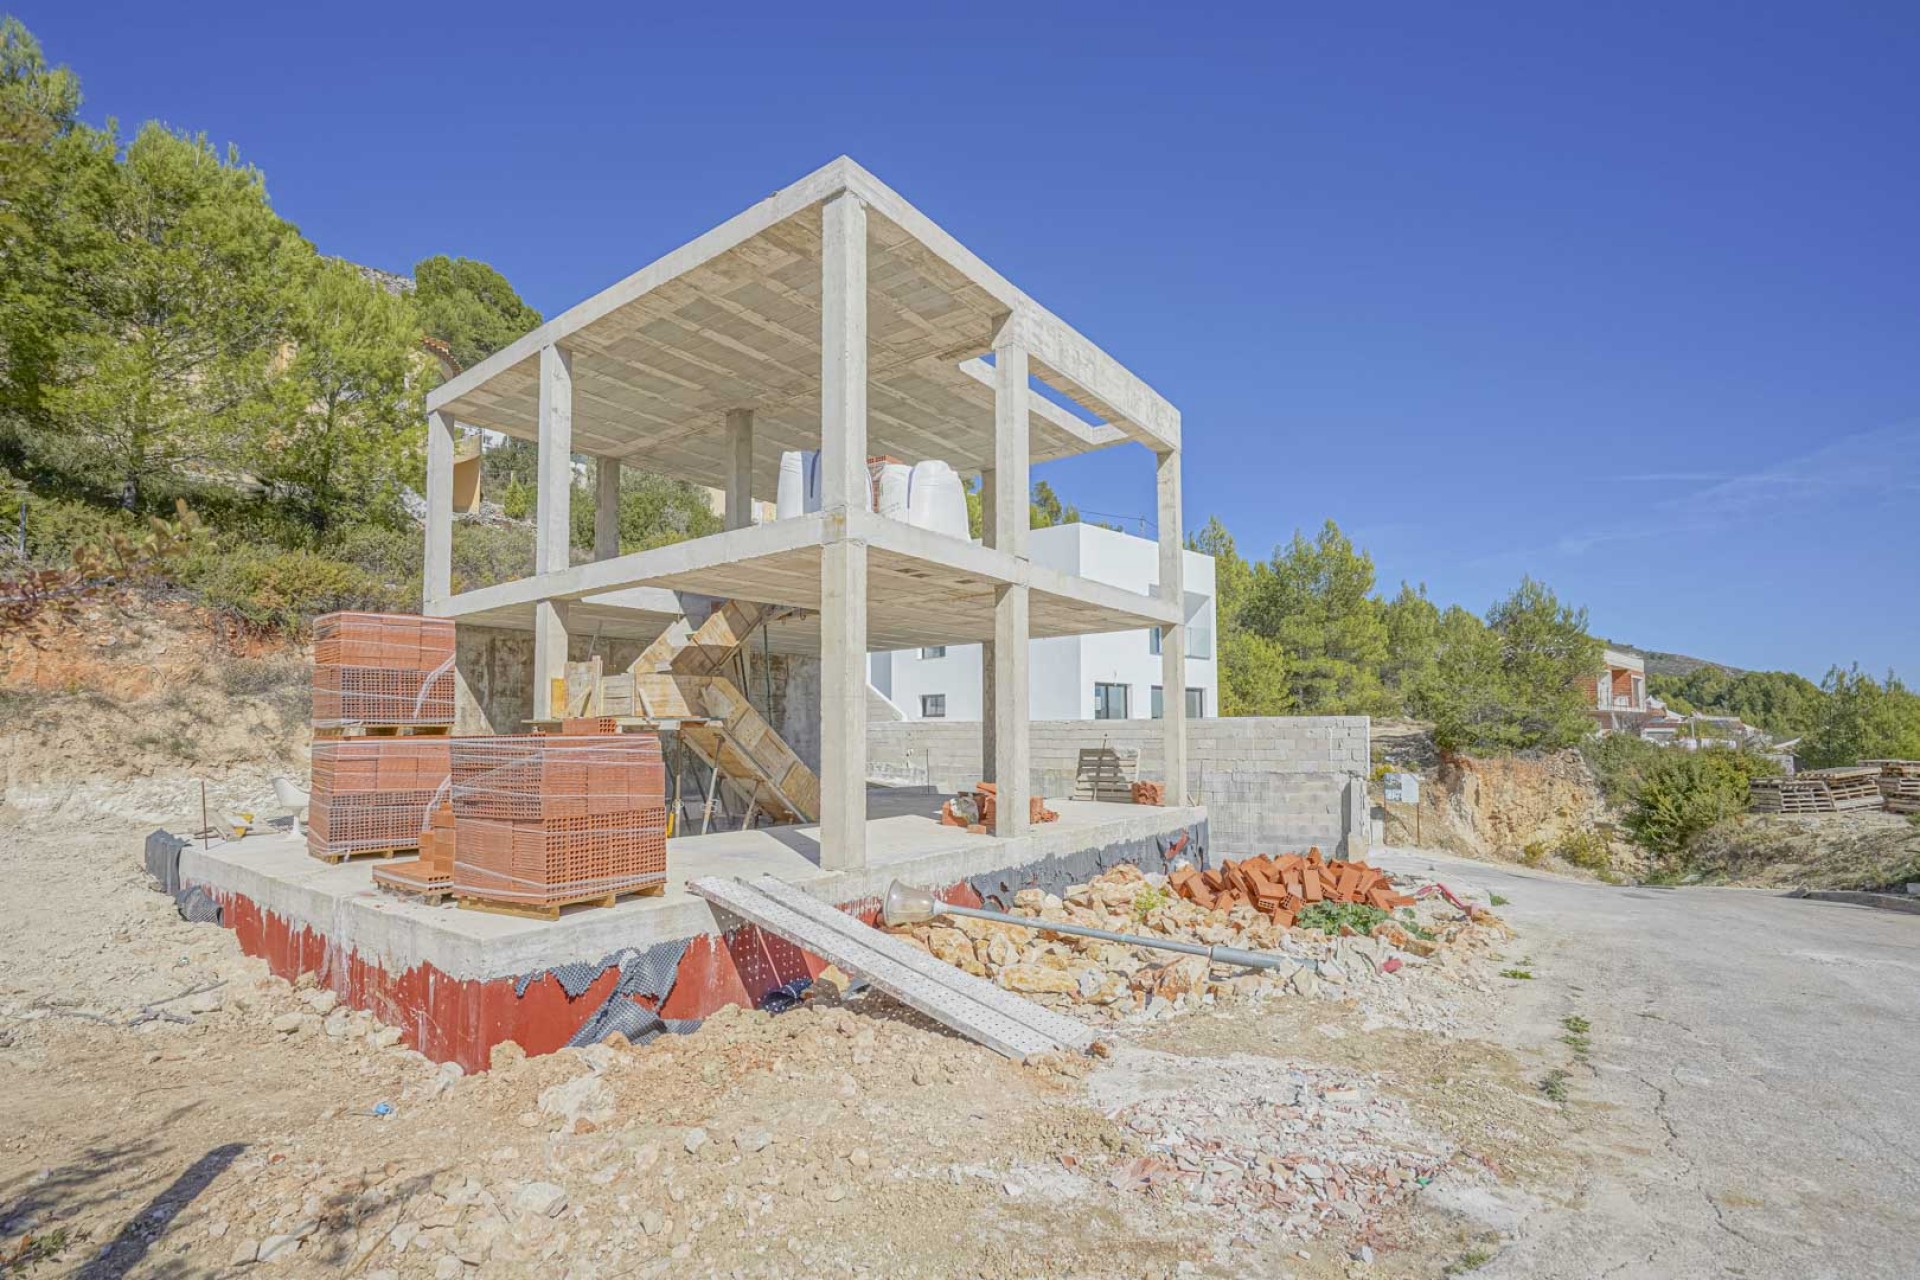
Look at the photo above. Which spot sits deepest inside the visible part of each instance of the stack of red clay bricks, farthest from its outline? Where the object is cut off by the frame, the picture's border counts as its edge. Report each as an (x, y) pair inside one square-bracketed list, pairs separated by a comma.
[(374, 795), (542, 821), (431, 874), (382, 670), (1149, 793), (1281, 887)]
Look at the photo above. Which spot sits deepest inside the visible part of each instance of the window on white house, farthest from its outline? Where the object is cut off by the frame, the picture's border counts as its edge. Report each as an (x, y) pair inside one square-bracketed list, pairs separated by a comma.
[(1157, 703), (934, 651), (1153, 640), (933, 706), (1196, 703), (1110, 701)]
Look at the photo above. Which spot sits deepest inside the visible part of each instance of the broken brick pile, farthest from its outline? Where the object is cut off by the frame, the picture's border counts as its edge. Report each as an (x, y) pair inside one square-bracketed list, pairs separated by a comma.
[(432, 872), (1150, 793), (986, 798), (1280, 888)]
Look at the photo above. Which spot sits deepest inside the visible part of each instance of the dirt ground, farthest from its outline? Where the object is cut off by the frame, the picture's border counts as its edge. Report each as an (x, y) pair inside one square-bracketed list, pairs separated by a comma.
[(167, 1108)]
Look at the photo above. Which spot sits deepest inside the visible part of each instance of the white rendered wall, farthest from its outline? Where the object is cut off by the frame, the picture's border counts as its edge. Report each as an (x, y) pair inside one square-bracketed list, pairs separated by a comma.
[(1064, 669)]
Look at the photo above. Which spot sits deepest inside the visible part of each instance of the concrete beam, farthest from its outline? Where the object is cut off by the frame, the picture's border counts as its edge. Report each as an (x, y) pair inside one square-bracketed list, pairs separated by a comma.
[(740, 468), (553, 509), (606, 508), (677, 561), (1173, 639), (438, 580), (1080, 369), (735, 231)]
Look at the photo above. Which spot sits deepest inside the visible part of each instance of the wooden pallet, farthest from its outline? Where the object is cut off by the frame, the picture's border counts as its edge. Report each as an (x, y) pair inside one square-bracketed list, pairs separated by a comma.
[(415, 880), (1101, 774), (551, 910), (383, 731), (354, 855)]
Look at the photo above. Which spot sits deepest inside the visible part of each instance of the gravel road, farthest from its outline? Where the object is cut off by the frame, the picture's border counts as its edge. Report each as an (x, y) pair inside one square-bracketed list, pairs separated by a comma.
[(1754, 1056)]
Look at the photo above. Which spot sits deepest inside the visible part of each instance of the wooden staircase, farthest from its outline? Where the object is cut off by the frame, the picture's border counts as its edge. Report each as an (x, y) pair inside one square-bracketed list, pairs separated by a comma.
[(689, 676)]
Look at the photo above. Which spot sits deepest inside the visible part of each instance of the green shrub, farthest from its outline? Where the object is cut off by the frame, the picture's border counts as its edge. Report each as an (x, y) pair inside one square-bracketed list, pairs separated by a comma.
[(1683, 793), (1587, 850), (286, 590), (1619, 761), (56, 527)]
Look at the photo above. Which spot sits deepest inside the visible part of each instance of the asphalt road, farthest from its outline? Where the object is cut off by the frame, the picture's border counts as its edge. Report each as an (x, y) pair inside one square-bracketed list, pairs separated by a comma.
[(1757, 1062)]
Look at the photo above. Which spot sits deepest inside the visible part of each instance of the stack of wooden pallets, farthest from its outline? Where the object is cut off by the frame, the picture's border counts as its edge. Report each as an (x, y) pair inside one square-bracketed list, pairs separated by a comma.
[(545, 821), (1817, 791), (1899, 784)]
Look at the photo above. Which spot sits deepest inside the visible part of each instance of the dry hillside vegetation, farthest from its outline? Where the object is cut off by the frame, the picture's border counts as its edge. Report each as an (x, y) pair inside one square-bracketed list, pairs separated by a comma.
[(113, 708)]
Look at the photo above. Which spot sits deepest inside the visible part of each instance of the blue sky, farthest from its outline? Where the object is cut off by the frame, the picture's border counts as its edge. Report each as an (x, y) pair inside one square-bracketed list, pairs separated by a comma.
[(1626, 299)]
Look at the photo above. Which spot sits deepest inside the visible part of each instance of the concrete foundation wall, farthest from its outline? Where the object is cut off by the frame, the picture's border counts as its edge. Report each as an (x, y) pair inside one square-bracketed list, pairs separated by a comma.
[(1269, 783)]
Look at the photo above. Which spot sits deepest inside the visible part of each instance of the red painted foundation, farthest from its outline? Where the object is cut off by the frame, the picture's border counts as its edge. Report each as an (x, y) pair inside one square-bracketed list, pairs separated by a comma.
[(460, 1020)]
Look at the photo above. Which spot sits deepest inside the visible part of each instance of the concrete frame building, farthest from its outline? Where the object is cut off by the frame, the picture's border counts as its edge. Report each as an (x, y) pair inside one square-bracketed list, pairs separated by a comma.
[(831, 315), (1113, 675)]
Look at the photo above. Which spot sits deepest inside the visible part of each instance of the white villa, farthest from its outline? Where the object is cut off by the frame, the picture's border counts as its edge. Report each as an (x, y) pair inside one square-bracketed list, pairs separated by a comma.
[(1113, 675)]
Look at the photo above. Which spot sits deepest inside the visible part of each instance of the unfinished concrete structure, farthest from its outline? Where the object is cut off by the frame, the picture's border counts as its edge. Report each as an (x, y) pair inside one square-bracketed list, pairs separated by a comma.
[(834, 316)]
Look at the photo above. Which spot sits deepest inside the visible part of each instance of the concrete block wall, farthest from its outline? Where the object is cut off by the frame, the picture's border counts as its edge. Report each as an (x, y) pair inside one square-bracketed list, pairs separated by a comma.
[(1269, 782)]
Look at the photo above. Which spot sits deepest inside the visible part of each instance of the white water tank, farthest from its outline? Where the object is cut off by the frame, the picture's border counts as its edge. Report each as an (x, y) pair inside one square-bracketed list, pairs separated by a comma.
[(892, 482), (799, 488), (798, 491), (937, 500)]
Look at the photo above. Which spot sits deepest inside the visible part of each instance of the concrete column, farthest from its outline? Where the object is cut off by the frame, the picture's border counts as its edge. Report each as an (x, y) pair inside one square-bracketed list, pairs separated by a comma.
[(606, 508), (553, 513), (549, 658), (1007, 713), (1173, 639), (553, 521), (439, 564), (739, 468), (988, 772), (987, 507), (843, 561), (1009, 501), (843, 704), (843, 354)]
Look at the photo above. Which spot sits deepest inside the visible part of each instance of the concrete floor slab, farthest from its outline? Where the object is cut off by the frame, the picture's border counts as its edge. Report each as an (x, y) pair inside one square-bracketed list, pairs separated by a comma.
[(904, 839)]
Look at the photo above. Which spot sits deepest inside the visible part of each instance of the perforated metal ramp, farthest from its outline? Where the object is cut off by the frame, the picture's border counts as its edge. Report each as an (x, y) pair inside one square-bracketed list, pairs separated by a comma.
[(1004, 1022)]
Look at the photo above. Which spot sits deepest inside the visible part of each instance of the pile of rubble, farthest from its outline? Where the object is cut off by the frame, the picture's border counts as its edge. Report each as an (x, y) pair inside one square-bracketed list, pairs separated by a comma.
[(975, 809), (1124, 980), (1293, 1147)]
